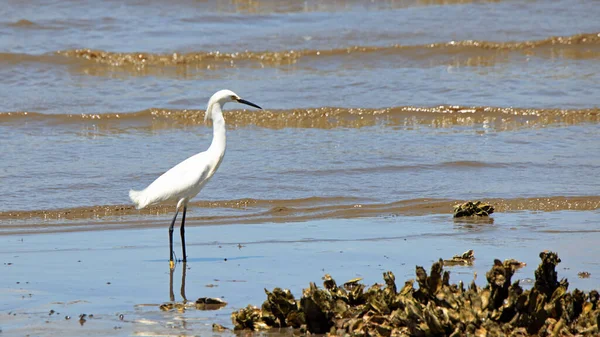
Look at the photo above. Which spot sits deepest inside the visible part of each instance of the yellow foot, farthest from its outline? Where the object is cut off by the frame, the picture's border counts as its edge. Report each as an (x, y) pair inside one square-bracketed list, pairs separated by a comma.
[(172, 264)]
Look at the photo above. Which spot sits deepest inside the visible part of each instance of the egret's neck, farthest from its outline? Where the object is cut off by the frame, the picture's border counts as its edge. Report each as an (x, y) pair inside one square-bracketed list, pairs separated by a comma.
[(219, 139)]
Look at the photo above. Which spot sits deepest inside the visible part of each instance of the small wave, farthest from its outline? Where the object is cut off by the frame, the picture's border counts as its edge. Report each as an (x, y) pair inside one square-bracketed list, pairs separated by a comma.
[(496, 118), (216, 59), (263, 211), (465, 52)]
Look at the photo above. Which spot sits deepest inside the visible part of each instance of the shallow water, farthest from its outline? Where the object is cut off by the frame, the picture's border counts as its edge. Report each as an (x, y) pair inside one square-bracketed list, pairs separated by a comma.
[(79, 128), (384, 163), (369, 135)]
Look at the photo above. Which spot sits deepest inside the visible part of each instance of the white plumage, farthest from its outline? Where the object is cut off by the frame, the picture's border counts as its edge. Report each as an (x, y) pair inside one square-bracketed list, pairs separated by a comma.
[(185, 180), (180, 183)]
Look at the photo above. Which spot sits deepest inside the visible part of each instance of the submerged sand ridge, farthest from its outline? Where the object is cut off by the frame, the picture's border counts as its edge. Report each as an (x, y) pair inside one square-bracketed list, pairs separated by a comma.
[(249, 211)]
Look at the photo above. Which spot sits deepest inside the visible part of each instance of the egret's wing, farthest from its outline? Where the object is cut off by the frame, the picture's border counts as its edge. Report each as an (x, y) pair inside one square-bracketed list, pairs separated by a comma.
[(179, 181)]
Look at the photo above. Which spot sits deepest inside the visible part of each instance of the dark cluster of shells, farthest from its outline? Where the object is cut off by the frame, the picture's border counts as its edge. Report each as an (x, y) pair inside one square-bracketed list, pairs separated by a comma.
[(470, 208), (203, 303), (465, 259), (435, 307)]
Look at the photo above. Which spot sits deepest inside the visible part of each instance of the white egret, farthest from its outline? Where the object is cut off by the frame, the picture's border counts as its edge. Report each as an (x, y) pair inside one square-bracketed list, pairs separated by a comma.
[(185, 180)]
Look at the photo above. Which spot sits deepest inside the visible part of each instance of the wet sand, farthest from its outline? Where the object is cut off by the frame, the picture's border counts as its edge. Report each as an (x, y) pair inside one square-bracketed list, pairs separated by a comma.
[(126, 272), (253, 211)]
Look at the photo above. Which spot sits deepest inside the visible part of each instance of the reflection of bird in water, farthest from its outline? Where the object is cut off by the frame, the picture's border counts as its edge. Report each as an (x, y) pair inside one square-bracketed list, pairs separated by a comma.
[(182, 290), (185, 180), (202, 303)]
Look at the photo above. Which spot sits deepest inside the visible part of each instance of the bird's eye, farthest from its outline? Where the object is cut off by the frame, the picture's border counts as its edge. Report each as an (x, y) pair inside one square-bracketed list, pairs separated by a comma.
[(234, 98)]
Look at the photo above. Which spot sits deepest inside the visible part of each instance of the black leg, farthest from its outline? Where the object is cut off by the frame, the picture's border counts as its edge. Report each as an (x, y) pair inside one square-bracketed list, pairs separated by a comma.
[(171, 263), (182, 230)]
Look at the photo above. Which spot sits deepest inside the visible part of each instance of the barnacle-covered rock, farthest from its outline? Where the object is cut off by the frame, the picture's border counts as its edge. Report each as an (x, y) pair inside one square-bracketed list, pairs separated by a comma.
[(179, 306), (470, 208), (355, 291), (584, 274), (249, 318), (281, 309), (516, 264), (498, 283), (219, 328), (318, 307), (166, 306), (464, 259), (429, 285), (209, 303), (546, 277)]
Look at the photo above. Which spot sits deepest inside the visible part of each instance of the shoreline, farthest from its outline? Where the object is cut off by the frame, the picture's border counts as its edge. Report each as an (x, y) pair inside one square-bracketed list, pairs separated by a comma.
[(254, 211)]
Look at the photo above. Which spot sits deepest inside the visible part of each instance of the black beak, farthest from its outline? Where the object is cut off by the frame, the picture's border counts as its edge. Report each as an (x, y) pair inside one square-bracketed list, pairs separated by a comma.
[(243, 101)]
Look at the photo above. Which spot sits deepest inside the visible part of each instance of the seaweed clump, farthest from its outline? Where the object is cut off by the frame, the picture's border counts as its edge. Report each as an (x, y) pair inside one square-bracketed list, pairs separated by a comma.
[(435, 308), (470, 208)]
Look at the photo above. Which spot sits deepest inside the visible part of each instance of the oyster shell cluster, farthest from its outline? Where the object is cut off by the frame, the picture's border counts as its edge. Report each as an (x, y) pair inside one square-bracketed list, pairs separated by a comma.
[(435, 308), (465, 259), (470, 208), (203, 303)]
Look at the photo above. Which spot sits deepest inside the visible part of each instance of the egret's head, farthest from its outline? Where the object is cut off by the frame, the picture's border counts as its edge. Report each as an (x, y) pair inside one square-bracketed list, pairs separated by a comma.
[(223, 96)]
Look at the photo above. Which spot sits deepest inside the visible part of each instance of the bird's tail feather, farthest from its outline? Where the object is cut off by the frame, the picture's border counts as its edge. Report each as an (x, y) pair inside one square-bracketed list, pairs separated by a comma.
[(138, 198)]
